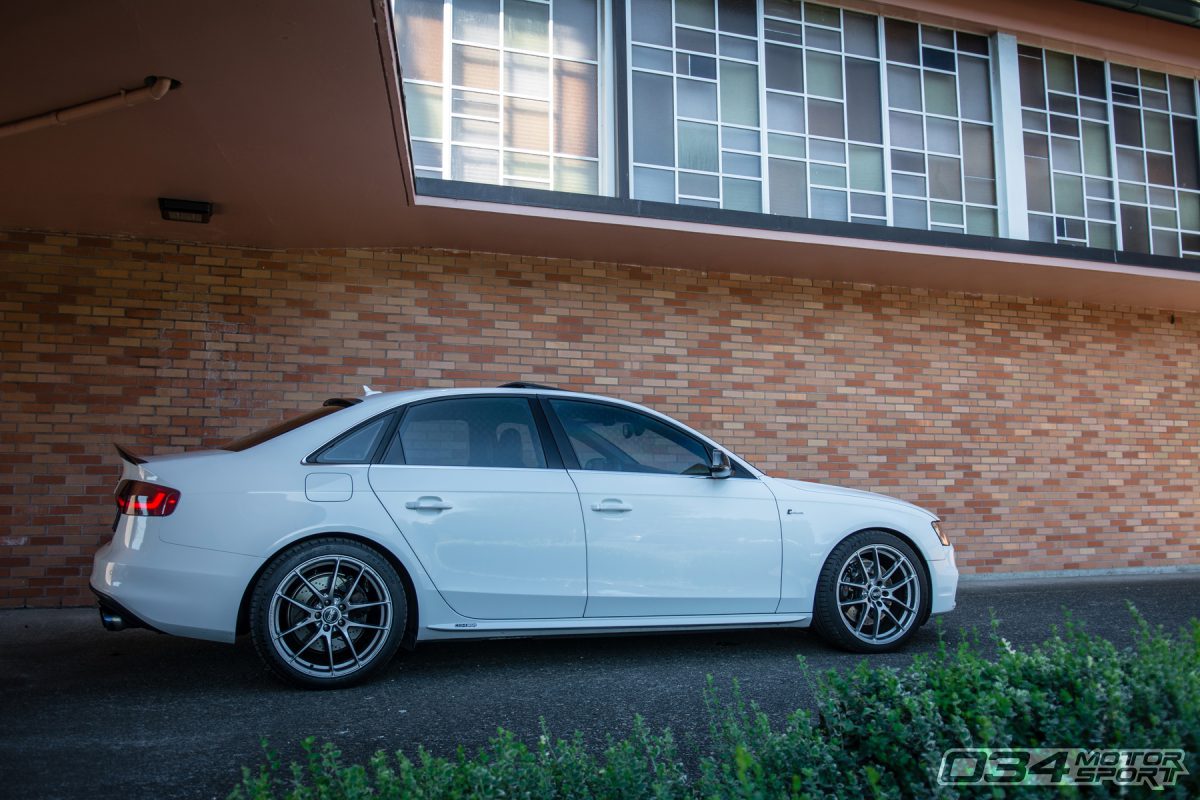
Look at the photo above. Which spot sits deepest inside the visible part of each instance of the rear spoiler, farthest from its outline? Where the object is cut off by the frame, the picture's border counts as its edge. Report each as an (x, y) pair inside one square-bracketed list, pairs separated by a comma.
[(128, 456)]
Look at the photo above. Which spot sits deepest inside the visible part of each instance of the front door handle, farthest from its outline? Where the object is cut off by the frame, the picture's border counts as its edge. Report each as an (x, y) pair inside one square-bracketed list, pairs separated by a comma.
[(428, 504), (611, 505)]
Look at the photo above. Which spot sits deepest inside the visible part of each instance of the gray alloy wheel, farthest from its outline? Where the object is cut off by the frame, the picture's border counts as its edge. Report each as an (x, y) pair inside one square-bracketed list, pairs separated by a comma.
[(872, 595), (328, 613)]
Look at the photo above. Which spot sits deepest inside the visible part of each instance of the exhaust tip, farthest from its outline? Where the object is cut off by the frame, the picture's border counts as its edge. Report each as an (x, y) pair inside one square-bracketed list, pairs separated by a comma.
[(111, 621)]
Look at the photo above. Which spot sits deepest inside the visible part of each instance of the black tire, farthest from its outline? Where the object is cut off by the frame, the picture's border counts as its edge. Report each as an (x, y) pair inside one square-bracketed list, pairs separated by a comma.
[(881, 615), (316, 639)]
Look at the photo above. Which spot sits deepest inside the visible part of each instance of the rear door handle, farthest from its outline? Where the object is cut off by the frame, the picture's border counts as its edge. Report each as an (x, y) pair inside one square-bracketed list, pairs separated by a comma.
[(611, 505), (428, 504)]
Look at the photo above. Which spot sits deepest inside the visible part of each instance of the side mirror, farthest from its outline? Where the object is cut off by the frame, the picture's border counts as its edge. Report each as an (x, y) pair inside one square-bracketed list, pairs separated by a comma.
[(720, 466)]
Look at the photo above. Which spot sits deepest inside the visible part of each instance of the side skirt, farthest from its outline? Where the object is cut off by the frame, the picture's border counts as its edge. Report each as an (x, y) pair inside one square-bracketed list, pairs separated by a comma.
[(584, 625)]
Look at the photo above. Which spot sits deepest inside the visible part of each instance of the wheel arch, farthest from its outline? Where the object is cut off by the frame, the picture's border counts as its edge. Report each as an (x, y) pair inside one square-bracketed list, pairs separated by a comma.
[(412, 618)]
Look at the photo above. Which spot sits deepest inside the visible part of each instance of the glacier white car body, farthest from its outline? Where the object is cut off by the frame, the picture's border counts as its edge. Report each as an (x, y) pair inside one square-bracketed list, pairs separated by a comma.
[(496, 551)]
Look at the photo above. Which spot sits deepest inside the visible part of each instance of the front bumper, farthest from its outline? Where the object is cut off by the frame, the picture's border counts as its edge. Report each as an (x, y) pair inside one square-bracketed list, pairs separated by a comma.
[(943, 577), (186, 591)]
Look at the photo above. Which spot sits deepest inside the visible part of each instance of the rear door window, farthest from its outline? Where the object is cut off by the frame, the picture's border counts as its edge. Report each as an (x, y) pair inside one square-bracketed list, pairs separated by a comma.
[(468, 432)]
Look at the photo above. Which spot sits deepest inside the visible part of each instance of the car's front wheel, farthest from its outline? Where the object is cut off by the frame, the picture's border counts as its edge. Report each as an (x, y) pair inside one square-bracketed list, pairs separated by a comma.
[(872, 594), (328, 613)]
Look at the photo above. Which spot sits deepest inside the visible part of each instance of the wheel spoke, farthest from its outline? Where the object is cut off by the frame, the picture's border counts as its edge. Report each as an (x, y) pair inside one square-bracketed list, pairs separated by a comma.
[(353, 624), (903, 583), (297, 603), (899, 624), (850, 585), (307, 645), (357, 606), (899, 563), (353, 650), (845, 603), (862, 618), (329, 647), (316, 592), (878, 564), (862, 565), (878, 619), (296, 627), (353, 586), (333, 578)]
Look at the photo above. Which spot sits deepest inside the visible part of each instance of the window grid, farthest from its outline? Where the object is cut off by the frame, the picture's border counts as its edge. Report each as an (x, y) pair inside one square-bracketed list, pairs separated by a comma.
[(1133, 183), (499, 102)]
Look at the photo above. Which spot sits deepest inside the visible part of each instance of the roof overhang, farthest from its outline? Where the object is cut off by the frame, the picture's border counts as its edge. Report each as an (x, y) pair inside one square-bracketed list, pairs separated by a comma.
[(289, 119)]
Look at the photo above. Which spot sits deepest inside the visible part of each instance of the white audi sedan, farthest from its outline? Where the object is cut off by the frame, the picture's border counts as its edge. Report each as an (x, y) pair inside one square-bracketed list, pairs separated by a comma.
[(372, 523)]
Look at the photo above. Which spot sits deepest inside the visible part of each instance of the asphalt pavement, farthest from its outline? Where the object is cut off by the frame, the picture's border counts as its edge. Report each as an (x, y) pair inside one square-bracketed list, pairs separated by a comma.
[(88, 713)]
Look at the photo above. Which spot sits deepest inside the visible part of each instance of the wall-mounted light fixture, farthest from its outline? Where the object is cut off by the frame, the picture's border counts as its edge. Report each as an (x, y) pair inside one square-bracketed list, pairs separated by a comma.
[(174, 210)]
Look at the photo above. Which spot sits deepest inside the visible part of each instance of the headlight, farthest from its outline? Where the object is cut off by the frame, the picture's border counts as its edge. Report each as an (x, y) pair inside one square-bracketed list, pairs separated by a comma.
[(937, 528)]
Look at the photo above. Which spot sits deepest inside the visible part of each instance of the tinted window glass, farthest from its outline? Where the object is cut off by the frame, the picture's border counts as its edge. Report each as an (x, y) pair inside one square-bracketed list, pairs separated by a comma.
[(469, 432), (356, 447), (266, 434), (614, 439)]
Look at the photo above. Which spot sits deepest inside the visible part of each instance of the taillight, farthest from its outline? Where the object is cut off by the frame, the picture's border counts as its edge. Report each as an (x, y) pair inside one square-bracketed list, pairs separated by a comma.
[(142, 499)]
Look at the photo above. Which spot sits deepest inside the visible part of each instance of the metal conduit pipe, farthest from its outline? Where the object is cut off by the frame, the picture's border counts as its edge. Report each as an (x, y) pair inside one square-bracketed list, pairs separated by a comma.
[(155, 89)]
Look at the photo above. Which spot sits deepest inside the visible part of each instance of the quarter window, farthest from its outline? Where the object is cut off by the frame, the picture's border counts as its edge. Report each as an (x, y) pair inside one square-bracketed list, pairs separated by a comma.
[(468, 432), (357, 446), (613, 439)]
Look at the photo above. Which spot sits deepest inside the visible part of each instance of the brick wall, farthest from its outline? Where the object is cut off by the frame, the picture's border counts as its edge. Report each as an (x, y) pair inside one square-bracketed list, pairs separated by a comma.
[(1050, 436)]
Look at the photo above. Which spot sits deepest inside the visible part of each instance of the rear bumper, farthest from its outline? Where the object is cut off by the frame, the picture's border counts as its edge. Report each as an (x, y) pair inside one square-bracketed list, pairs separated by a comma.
[(185, 591)]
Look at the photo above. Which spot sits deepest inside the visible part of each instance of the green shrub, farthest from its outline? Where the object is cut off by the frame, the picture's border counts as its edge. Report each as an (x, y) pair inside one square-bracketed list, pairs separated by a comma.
[(877, 732)]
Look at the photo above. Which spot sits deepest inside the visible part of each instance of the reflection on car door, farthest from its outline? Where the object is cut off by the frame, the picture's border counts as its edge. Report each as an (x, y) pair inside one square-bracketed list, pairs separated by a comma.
[(467, 482), (663, 538)]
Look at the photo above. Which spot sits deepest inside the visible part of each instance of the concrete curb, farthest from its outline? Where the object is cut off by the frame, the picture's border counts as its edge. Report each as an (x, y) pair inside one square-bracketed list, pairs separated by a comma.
[(1049, 577)]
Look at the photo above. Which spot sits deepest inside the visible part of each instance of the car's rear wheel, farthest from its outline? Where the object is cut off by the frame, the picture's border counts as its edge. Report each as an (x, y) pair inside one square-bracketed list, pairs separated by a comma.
[(872, 595), (328, 613)]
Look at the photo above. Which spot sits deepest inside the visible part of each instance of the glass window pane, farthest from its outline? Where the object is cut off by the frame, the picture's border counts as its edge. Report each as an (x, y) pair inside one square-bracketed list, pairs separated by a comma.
[(476, 67), (737, 16), (477, 21), (1131, 165), (526, 124), (940, 94), (1037, 183), (821, 15), (1187, 168), (863, 101), (1101, 235), (1065, 154), (575, 120), (526, 74), (785, 112), (653, 184), (475, 131), (576, 175), (475, 104), (575, 32), (946, 213), (945, 178), (787, 9), (823, 39), (908, 184), (866, 168), (653, 116), (789, 188), (1068, 194), (901, 40), (697, 99), (1128, 125), (981, 221), (424, 106), (824, 74), (1183, 95), (907, 131), (1041, 229), (740, 139), (650, 21), (1091, 77), (1096, 159), (419, 22), (829, 204), (527, 165), (1158, 131), (1160, 169), (652, 58), (1189, 211), (937, 59), (910, 213), (427, 154), (826, 118), (980, 190), (700, 41), (474, 164), (785, 67), (1060, 71), (736, 47), (741, 195), (868, 204), (943, 135), (1033, 84), (780, 145), (826, 150), (1135, 230), (695, 12), (527, 25), (739, 93), (741, 164), (827, 175), (780, 31), (904, 87), (974, 89), (979, 160), (694, 183), (698, 146), (862, 34)]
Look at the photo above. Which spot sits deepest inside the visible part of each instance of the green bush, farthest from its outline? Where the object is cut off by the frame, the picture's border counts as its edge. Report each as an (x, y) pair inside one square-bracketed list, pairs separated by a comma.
[(878, 732)]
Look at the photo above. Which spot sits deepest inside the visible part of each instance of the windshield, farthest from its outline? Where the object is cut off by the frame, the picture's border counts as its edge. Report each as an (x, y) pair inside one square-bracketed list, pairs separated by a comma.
[(278, 429)]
